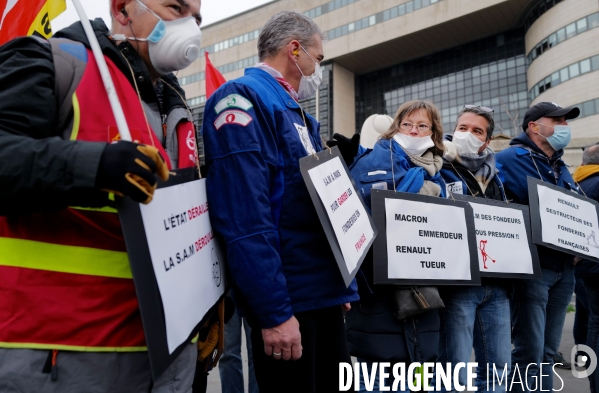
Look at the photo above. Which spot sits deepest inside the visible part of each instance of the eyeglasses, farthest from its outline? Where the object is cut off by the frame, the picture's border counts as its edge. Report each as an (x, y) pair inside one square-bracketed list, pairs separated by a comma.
[(483, 108), (407, 126)]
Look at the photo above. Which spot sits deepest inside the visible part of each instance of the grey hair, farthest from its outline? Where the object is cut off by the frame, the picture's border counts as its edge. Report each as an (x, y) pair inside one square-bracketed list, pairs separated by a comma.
[(478, 111), (284, 27), (591, 155)]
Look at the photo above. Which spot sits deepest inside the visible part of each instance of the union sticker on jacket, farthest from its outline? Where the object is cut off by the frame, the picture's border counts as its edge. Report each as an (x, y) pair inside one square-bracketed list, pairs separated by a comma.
[(232, 117), (454, 188), (233, 101), (305, 138)]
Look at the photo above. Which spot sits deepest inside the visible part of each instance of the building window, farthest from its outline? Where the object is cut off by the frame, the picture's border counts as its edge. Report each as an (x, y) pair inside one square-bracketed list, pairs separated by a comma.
[(223, 69), (572, 30), (572, 71), (195, 101), (490, 75), (380, 17), (329, 7), (226, 44), (538, 10)]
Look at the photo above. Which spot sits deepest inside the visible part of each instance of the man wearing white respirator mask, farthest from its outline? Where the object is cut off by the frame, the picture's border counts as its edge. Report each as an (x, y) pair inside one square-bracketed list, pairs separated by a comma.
[(171, 45), (475, 317), (69, 314), (469, 165)]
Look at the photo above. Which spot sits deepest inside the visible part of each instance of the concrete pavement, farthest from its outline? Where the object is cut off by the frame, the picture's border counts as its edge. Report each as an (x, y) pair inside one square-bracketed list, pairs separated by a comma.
[(570, 384)]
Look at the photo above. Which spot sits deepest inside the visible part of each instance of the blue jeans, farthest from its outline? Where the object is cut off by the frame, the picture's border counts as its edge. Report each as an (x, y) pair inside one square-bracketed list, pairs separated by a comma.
[(581, 318), (479, 318), (592, 341), (388, 382), (230, 364), (540, 311)]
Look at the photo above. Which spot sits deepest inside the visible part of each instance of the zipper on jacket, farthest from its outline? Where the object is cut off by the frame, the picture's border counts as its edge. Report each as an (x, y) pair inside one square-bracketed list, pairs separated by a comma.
[(415, 336), (553, 173), (54, 368), (479, 190), (163, 129), (50, 366)]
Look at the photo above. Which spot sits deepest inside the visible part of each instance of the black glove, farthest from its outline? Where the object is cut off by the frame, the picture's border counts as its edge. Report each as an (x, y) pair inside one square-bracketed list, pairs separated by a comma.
[(128, 168), (347, 147)]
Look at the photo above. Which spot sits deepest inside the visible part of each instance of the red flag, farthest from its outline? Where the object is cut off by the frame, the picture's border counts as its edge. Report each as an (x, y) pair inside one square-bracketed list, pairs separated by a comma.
[(214, 78), (27, 17)]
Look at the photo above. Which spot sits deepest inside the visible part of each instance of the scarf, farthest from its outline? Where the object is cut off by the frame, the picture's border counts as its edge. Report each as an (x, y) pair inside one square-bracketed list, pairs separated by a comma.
[(431, 163), (582, 172), (279, 77), (481, 166)]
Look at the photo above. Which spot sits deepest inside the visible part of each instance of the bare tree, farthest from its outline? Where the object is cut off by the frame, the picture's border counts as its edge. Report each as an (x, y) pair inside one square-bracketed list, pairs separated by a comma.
[(514, 118)]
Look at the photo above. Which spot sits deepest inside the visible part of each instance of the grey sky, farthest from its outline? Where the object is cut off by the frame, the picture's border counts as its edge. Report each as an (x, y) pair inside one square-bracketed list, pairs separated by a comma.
[(212, 11)]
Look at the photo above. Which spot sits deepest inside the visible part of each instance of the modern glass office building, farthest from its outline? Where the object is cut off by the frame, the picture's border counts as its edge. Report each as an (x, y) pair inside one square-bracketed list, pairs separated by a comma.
[(490, 72), (502, 54)]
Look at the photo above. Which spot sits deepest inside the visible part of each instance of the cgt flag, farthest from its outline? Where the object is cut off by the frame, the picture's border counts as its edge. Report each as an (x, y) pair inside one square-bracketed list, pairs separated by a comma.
[(214, 79), (27, 17)]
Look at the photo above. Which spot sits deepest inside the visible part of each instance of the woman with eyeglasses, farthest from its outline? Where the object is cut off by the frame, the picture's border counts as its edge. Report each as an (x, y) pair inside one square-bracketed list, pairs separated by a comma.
[(406, 158)]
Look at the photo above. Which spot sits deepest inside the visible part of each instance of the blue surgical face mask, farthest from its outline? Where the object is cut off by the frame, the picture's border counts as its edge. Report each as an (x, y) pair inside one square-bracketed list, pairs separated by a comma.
[(560, 138)]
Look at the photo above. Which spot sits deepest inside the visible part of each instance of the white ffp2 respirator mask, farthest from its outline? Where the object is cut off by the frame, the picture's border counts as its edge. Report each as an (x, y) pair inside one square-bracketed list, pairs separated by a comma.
[(415, 146), (173, 45), (309, 84), (466, 143)]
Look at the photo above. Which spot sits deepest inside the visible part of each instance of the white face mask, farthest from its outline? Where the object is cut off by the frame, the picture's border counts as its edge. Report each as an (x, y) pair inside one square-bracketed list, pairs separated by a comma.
[(466, 143), (415, 146), (309, 84), (173, 45)]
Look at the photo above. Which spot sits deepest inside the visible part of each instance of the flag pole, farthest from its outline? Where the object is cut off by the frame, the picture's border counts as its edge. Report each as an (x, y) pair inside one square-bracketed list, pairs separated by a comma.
[(115, 104)]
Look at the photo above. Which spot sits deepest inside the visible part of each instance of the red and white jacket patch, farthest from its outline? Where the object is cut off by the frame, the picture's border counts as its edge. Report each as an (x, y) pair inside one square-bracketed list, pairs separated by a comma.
[(232, 117)]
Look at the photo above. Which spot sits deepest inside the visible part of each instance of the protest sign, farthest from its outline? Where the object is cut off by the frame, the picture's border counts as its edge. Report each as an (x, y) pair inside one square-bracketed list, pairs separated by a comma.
[(563, 220), (424, 240), (343, 215), (177, 265), (503, 239)]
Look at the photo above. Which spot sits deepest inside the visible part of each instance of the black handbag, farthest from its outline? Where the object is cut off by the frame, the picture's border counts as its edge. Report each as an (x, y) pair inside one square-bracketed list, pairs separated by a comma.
[(416, 300)]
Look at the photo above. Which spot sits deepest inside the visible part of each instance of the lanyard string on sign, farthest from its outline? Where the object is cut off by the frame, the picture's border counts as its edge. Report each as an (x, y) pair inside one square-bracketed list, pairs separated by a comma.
[(539, 172), (149, 129), (306, 126), (197, 158)]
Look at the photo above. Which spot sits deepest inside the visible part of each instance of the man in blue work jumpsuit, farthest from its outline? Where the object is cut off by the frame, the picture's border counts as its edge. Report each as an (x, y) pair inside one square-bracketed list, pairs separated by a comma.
[(285, 278)]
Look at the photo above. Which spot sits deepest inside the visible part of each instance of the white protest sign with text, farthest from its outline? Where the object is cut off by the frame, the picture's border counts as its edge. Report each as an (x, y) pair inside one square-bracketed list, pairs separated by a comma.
[(187, 261), (568, 222), (426, 241), (350, 221), (501, 239)]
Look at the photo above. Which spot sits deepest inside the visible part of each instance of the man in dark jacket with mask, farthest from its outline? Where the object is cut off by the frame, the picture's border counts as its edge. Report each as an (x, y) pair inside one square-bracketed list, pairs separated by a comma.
[(69, 316), (540, 305), (587, 175), (475, 317)]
